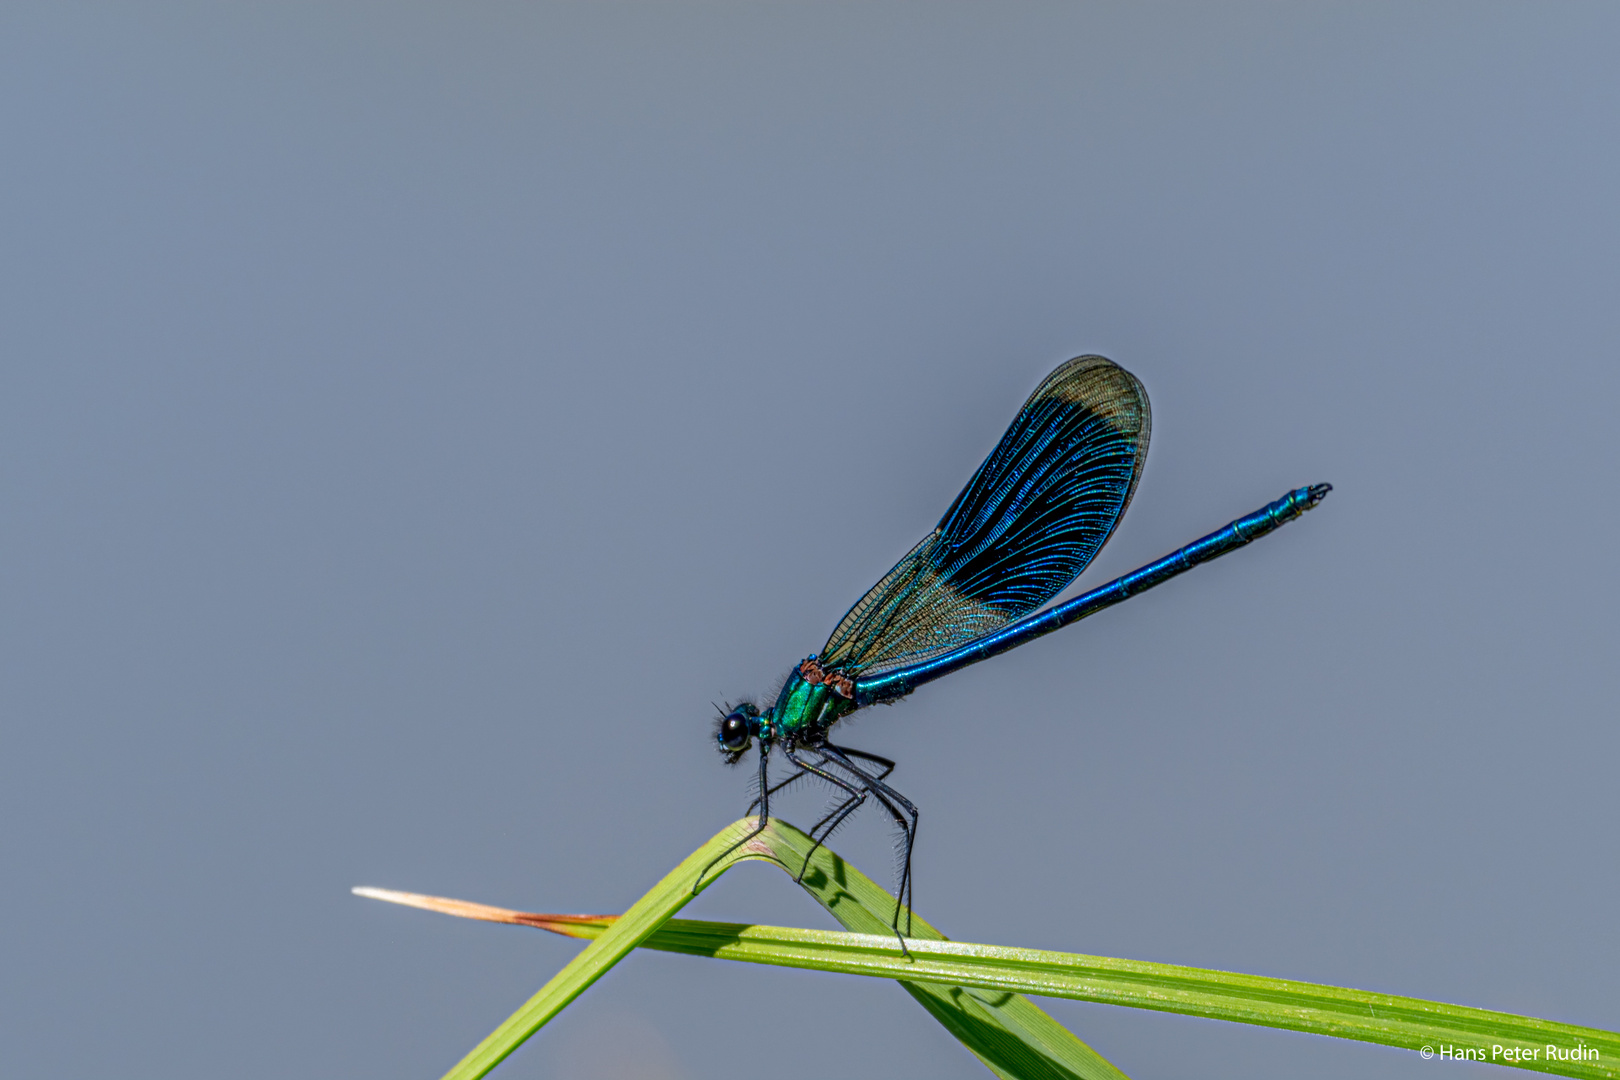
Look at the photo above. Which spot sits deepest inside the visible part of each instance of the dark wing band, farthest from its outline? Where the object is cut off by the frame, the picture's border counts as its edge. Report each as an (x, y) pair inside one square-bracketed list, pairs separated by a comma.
[(1037, 511)]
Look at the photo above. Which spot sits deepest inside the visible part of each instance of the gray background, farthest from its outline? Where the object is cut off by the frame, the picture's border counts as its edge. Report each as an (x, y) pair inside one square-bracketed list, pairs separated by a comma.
[(412, 418)]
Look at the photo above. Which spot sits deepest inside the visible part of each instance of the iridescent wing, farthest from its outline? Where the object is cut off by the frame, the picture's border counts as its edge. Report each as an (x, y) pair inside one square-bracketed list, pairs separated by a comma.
[(1039, 508)]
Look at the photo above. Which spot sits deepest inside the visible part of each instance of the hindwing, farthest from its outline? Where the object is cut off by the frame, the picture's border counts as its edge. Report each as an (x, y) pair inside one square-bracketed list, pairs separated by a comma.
[(1037, 511)]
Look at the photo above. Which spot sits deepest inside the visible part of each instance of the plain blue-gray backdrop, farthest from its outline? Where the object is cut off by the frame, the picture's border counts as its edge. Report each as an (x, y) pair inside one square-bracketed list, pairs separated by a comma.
[(413, 417)]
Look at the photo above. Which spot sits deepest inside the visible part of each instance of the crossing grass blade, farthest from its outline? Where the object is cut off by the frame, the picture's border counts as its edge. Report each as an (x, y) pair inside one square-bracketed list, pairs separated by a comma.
[(974, 989), (1012, 1036)]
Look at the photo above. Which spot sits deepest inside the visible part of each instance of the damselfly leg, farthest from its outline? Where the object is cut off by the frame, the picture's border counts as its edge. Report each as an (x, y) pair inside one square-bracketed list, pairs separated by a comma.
[(764, 802), (838, 813), (907, 822), (856, 797), (800, 775)]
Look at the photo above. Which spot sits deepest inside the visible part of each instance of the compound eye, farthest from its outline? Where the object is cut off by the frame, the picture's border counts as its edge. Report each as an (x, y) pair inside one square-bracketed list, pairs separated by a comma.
[(734, 735)]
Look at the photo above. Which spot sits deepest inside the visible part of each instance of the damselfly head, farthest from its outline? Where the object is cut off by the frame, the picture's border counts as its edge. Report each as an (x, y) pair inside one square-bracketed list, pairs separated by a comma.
[(735, 731)]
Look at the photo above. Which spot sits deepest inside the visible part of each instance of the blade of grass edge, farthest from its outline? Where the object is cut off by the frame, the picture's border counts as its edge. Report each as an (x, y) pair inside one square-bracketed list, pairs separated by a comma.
[(1011, 1035), (1008, 1033), (614, 944), (1402, 1022), (963, 973), (1284, 1004)]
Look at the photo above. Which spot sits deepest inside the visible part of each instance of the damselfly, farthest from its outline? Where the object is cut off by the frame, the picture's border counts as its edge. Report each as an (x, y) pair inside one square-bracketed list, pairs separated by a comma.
[(1037, 511)]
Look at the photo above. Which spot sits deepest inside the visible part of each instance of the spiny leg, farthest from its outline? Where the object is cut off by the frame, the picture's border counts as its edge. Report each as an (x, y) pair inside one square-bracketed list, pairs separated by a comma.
[(888, 766), (764, 802), (879, 789), (834, 818), (838, 813), (904, 886), (800, 775), (884, 792), (856, 797), (904, 897)]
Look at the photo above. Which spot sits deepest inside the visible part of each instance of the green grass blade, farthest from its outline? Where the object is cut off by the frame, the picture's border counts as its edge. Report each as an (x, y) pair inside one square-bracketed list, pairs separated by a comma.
[(1011, 1035), (986, 970), (1409, 1023), (973, 989), (614, 943)]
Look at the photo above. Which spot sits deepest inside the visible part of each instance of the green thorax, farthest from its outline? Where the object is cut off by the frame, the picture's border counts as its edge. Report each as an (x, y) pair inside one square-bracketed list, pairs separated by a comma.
[(804, 711)]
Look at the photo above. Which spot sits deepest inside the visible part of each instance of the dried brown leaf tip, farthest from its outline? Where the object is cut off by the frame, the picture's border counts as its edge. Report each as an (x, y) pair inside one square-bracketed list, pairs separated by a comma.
[(568, 925)]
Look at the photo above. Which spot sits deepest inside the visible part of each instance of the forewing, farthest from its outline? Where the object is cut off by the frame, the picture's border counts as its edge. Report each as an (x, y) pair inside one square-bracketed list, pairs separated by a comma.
[(1037, 511)]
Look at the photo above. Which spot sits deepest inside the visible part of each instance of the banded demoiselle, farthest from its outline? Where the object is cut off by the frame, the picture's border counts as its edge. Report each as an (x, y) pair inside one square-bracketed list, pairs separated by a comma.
[(1034, 515)]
